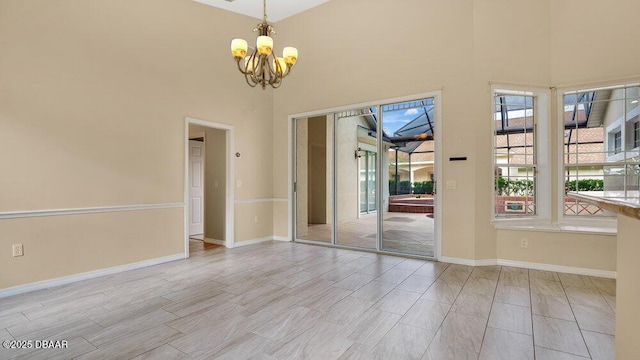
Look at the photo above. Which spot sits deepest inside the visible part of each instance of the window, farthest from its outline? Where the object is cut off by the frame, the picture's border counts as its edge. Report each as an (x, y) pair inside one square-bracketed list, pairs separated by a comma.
[(599, 137), (367, 180), (514, 154), (617, 142), (636, 135)]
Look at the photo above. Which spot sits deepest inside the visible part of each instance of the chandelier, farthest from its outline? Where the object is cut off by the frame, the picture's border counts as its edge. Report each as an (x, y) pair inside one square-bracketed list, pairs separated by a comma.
[(263, 67)]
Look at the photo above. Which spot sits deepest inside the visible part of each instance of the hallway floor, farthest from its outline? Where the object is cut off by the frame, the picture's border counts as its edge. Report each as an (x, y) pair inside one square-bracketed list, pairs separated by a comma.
[(279, 300)]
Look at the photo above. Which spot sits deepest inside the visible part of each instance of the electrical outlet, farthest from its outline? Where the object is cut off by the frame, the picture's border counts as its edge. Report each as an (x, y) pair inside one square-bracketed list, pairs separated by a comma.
[(524, 243), (17, 250), (238, 183), (256, 219)]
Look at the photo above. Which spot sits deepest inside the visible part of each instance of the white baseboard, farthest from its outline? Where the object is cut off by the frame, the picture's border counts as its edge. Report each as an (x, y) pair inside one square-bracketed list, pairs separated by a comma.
[(559, 268), (260, 240), (252, 241), (530, 265), (215, 241), (468, 262), (45, 284), (486, 262)]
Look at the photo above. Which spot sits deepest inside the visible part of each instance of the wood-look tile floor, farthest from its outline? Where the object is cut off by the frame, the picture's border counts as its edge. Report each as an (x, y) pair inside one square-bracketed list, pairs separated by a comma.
[(280, 300)]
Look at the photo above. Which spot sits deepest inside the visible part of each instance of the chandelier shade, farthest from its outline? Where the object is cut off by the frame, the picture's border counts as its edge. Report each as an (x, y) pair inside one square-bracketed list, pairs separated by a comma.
[(262, 67)]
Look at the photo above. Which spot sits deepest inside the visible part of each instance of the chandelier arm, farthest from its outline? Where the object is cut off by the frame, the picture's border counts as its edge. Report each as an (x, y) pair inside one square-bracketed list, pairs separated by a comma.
[(254, 80), (244, 71), (276, 85), (254, 61), (259, 73), (275, 80), (251, 83), (272, 72)]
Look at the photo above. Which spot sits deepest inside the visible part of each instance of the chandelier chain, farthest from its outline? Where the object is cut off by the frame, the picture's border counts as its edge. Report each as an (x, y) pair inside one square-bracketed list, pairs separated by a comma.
[(264, 10)]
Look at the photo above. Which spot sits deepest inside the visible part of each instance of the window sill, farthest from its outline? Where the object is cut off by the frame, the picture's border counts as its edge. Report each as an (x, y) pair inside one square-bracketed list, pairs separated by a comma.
[(580, 226)]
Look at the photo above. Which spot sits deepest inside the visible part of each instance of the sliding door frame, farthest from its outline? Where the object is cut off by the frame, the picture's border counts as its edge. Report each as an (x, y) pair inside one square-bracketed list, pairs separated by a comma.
[(438, 136)]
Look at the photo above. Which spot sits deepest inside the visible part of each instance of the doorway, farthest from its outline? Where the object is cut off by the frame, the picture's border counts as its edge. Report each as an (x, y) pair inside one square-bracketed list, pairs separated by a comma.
[(370, 171), (208, 183), (196, 185)]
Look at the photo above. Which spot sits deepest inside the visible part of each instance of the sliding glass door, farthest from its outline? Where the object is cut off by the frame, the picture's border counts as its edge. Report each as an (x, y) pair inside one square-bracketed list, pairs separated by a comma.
[(365, 178), (408, 224)]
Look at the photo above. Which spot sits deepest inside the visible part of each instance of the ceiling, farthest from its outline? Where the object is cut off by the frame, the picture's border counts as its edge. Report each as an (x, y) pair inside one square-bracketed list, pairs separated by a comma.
[(276, 9)]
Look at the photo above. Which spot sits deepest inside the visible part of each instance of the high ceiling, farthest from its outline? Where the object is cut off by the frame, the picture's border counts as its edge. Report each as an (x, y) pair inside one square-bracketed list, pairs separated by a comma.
[(276, 9)]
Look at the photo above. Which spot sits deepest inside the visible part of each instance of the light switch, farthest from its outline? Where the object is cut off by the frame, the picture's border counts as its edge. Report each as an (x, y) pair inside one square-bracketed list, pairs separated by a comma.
[(451, 184), (239, 183)]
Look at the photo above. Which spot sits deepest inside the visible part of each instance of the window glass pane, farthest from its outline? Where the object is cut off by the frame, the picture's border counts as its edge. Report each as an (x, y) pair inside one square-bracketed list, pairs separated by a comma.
[(515, 190), (514, 155), (408, 201), (314, 171), (355, 135)]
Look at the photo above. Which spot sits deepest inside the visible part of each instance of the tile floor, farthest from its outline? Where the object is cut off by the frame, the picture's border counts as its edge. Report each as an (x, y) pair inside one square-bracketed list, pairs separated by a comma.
[(293, 301)]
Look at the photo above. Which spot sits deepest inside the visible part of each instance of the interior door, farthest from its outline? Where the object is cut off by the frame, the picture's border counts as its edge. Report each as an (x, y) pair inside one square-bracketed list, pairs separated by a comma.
[(196, 187)]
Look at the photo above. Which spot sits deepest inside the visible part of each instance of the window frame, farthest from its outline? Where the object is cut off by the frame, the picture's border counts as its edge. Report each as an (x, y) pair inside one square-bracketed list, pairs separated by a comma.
[(593, 223), (542, 142)]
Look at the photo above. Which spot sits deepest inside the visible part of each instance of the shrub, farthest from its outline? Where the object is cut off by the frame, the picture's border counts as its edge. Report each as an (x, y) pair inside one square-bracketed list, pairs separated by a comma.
[(423, 187), (508, 187), (584, 185), (404, 187)]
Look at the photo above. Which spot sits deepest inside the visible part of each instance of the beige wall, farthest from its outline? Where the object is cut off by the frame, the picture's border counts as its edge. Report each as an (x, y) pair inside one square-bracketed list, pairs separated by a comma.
[(596, 252), (94, 94), (92, 105), (458, 47), (57, 246), (245, 218), (611, 52), (214, 174)]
